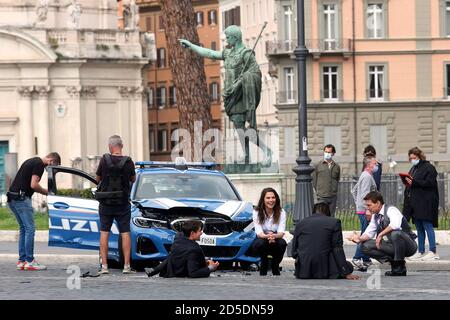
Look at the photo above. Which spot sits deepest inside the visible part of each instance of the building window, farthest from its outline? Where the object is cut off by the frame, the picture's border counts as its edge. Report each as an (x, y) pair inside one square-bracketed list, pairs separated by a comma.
[(330, 83), (161, 97), (151, 138), (161, 58), (332, 135), (375, 21), (174, 135), (172, 95), (214, 91), (289, 84), (161, 23), (162, 140), (287, 24), (212, 17), (150, 97), (199, 18), (447, 77), (331, 26), (376, 83), (231, 17), (378, 138)]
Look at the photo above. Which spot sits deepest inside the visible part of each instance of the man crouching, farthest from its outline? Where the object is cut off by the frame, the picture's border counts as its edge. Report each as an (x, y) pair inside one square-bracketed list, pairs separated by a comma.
[(186, 258), (394, 237)]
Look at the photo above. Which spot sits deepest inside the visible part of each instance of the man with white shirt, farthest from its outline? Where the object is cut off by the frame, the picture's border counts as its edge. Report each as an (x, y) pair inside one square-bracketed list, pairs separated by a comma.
[(394, 239)]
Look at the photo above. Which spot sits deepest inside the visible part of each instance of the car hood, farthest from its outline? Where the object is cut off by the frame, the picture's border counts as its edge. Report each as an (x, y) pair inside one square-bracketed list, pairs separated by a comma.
[(232, 208)]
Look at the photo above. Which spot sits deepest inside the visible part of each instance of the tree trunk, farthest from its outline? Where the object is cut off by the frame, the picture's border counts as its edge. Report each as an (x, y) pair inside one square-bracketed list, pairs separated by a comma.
[(187, 69)]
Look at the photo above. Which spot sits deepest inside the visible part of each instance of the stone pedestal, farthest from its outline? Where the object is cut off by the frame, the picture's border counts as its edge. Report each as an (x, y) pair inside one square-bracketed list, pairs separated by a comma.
[(251, 185)]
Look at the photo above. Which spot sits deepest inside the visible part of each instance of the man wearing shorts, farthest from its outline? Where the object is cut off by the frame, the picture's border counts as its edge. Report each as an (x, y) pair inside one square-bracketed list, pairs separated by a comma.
[(118, 209)]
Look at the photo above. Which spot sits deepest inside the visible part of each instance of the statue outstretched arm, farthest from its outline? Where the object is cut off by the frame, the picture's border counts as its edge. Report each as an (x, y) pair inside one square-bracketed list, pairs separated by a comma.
[(204, 52)]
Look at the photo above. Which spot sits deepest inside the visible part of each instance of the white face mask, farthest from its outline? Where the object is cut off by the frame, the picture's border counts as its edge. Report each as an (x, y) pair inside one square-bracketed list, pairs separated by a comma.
[(415, 162), (375, 169), (327, 156)]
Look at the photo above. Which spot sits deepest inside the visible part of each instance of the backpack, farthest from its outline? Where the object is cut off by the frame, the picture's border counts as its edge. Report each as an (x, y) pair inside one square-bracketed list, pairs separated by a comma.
[(113, 190)]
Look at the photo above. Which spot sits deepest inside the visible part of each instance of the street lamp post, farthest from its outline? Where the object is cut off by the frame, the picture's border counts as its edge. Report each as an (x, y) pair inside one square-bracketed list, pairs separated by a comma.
[(303, 187)]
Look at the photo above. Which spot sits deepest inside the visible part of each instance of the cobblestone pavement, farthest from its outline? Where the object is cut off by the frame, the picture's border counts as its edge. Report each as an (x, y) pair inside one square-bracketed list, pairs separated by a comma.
[(226, 285)]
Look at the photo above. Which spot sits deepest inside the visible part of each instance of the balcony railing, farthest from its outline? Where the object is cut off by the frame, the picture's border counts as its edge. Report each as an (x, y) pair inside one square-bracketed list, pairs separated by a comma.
[(378, 95), (287, 97), (313, 45), (331, 95)]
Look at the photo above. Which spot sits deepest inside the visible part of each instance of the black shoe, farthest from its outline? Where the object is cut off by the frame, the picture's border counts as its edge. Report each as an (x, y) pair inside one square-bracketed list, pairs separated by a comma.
[(398, 269), (151, 272), (264, 264), (275, 269)]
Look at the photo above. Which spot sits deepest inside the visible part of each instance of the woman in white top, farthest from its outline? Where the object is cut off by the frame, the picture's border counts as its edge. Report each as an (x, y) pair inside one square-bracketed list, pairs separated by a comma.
[(269, 220)]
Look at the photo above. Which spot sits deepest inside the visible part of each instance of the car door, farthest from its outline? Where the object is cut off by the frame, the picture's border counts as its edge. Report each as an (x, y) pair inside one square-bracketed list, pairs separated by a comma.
[(73, 212)]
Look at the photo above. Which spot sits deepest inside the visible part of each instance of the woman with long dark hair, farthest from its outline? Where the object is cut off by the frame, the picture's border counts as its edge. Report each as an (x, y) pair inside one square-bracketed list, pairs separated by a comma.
[(269, 220)]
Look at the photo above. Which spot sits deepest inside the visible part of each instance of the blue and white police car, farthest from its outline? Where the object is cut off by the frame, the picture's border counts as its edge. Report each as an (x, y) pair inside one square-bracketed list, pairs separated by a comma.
[(164, 195)]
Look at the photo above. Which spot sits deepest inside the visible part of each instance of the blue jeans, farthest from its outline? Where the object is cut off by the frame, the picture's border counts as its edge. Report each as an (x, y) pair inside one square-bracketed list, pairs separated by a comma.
[(364, 223), (25, 217), (423, 226)]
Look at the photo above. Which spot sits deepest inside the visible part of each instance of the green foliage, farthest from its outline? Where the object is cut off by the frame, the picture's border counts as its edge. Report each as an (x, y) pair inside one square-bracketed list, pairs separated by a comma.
[(76, 193), (102, 47), (53, 43), (8, 220)]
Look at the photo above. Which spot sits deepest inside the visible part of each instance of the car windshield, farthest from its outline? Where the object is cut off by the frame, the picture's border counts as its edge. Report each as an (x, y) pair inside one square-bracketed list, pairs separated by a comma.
[(182, 185)]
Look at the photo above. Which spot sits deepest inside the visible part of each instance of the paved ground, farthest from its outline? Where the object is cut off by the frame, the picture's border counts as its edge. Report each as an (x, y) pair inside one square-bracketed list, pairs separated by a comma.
[(225, 285), (43, 248)]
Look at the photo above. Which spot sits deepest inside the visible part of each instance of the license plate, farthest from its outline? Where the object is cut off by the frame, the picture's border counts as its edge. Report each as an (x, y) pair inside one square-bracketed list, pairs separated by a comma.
[(207, 241)]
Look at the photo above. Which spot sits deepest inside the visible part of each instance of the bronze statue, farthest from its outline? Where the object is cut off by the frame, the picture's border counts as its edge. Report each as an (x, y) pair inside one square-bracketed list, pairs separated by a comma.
[(242, 85)]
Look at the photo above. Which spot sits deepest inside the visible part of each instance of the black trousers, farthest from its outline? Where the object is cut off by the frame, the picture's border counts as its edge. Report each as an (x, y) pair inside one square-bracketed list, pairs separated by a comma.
[(399, 246), (262, 248)]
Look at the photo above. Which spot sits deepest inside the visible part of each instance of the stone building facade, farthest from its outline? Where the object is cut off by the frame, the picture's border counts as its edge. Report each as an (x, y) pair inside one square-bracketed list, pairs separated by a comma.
[(69, 79), (377, 73)]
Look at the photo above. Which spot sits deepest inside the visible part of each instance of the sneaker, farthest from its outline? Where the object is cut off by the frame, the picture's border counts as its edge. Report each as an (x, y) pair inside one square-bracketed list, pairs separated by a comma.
[(103, 270), (20, 265), (33, 266), (430, 256), (367, 264), (128, 270), (416, 256), (359, 265)]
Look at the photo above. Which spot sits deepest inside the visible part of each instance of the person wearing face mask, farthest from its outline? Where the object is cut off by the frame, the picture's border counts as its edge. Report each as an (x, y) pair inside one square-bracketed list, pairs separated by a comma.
[(421, 202), (369, 151), (365, 184), (326, 178)]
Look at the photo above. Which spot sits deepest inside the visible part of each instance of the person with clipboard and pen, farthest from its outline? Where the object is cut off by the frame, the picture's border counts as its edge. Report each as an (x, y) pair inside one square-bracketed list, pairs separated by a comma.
[(421, 202)]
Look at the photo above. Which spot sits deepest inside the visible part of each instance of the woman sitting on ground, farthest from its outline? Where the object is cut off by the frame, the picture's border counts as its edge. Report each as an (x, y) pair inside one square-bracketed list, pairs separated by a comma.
[(269, 220)]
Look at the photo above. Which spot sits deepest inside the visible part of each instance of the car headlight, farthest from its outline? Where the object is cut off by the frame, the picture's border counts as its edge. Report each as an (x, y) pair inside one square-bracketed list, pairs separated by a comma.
[(150, 223)]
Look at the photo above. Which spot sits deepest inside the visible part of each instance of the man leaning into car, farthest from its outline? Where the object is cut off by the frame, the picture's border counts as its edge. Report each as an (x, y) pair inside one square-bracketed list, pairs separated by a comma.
[(115, 174)]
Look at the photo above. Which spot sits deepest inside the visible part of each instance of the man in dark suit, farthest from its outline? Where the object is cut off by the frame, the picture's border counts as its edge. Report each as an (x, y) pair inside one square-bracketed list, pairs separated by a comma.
[(186, 258), (317, 247)]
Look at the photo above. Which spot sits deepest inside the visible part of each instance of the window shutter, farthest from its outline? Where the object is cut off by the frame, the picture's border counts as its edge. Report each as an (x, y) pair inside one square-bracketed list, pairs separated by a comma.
[(148, 22)]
